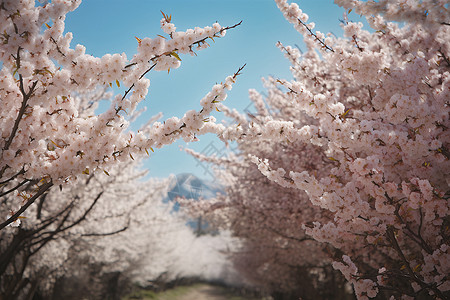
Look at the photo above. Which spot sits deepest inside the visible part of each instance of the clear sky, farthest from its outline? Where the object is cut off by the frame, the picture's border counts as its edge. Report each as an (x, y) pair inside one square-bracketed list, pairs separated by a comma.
[(109, 26)]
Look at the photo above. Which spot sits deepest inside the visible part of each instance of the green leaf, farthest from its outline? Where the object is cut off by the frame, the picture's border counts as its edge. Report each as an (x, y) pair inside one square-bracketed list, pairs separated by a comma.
[(174, 54), (344, 114)]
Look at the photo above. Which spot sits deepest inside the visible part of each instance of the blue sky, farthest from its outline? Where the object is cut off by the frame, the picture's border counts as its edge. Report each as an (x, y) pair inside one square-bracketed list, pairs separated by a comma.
[(109, 26)]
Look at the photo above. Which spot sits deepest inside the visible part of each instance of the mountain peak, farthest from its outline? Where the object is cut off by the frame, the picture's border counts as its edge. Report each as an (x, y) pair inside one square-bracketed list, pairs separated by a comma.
[(188, 185)]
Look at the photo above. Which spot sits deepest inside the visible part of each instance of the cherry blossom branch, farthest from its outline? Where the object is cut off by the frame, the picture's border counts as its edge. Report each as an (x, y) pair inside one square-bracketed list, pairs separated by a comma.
[(179, 130), (391, 237), (234, 77), (220, 31), (416, 237), (26, 96), (193, 43), (22, 171), (315, 36), (140, 77), (59, 49), (14, 188), (42, 189)]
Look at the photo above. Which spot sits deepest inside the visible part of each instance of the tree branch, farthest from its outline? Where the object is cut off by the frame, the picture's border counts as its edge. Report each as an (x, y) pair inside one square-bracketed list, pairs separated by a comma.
[(42, 190), (14, 188)]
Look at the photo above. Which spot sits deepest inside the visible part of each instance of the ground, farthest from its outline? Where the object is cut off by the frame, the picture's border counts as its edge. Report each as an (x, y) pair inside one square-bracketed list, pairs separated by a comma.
[(194, 292)]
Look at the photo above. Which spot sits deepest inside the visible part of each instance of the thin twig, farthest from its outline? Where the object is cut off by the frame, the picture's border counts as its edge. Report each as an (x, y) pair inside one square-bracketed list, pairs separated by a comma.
[(315, 36), (14, 188)]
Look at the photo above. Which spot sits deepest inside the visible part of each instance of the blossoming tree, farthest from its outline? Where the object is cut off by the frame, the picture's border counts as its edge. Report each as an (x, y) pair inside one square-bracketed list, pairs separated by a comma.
[(80, 222), (374, 104), (276, 255), (49, 135), (103, 234)]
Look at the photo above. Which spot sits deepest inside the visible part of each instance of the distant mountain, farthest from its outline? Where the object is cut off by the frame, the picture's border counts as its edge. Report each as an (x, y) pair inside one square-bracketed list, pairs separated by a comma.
[(190, 186)]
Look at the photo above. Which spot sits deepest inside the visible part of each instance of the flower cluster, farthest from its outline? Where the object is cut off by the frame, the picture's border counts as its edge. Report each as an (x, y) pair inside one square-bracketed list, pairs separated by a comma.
[(275, 254), (50, 131), (116, 224), (375, 106)]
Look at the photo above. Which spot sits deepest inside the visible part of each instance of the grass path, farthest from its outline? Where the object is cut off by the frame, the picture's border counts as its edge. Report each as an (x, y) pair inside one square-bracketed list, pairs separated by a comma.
[(194, 292)]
